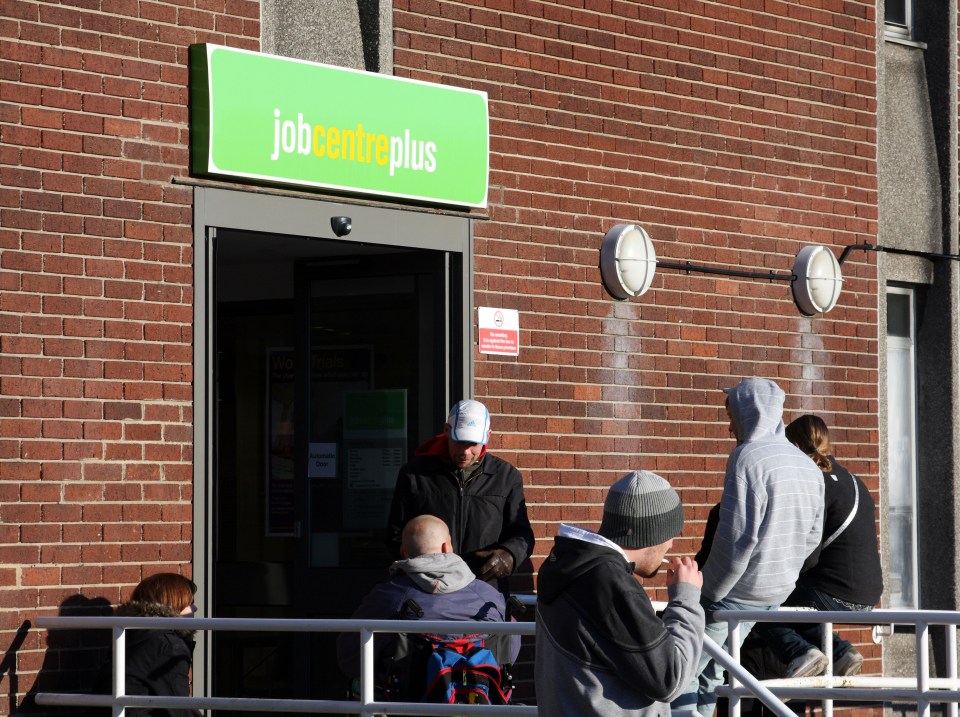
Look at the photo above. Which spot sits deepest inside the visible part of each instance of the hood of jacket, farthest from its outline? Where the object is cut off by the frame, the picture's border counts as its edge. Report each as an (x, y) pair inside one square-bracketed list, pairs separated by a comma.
[(756, 407), (570, 558), (437, 446), (149, 609), (435, 573)]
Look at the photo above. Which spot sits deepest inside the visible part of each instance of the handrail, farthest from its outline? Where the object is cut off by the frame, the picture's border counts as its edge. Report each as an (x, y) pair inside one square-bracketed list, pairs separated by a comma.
[(921, 689), (738, 672), (367, 706), (278, 624), (825, 688)]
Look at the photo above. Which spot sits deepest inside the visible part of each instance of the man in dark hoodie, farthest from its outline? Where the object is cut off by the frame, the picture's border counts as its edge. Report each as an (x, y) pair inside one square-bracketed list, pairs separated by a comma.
[(770, 519), (440, 585), (601, 649), (479, 496)]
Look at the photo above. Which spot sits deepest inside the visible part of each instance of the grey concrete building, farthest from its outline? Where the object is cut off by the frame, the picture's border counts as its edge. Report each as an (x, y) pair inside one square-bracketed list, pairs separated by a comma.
[(918, 296)]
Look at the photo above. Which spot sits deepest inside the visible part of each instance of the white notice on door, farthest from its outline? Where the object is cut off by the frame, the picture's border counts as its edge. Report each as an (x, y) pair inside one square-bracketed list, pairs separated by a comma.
[(323, 460), (373, 468)]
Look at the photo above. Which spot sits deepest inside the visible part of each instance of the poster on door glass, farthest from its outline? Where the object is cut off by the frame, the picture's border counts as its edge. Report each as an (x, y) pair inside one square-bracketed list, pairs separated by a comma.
[(280, 440), (375, 439), (334, 370)]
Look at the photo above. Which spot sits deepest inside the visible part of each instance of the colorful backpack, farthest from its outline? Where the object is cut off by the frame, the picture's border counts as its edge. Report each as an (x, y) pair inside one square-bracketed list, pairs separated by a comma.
[(464, 671), (432, 668)]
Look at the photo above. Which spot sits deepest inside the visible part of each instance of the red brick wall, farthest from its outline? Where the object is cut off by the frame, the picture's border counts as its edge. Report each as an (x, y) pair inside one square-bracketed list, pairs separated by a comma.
[(96, 424), (734, 136)]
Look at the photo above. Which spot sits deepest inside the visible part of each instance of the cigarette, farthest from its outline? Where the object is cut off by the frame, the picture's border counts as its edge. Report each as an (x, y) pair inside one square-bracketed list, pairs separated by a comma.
[(665, 561)]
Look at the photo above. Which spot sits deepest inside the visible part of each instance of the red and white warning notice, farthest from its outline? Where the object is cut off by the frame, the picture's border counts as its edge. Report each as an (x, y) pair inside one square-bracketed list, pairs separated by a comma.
[(499, 331)]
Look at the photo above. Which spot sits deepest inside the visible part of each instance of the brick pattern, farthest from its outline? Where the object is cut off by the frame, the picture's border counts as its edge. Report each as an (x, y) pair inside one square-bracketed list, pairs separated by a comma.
[(96, 275), (734, 136)]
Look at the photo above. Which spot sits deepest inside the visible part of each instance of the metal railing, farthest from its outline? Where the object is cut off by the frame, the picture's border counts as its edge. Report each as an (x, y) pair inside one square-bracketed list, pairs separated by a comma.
[(921, 690), (366, 707)]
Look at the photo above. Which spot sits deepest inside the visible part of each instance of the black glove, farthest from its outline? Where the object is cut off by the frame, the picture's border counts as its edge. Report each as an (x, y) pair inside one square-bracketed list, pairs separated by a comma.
[(498, 564)]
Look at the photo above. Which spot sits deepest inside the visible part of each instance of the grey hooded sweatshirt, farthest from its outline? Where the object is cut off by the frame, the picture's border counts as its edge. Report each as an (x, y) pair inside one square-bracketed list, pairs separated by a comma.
[(601, 649), (771, 512), (444, 588)]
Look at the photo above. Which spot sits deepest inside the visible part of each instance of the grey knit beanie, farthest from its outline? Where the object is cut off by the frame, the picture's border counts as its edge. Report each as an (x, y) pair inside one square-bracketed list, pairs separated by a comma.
[(641, 510)]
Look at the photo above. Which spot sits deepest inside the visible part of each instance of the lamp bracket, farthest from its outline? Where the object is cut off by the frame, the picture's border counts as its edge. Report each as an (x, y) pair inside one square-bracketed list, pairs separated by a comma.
[(867, 246), (689, 266)]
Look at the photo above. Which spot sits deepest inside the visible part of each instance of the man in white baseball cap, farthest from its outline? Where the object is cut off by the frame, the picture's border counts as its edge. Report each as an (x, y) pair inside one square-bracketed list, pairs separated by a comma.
[(478, 495)]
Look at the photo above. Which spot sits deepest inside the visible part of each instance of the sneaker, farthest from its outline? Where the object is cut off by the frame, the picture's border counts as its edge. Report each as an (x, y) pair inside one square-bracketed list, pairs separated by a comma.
[(848, 665), (809, 664)]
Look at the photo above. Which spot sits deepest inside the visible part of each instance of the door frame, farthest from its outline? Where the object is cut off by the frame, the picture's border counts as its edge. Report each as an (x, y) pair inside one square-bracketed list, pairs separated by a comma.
[(309, 217)]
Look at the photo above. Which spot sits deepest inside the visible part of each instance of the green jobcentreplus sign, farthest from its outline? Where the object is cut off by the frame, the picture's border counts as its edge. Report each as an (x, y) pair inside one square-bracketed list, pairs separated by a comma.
[(274, 119)]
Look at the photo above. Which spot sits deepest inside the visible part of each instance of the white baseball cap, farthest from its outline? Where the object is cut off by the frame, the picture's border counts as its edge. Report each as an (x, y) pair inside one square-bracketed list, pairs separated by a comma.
[(469, 422)]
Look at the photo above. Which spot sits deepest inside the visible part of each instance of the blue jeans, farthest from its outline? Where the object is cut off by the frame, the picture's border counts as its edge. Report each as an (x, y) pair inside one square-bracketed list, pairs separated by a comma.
[(701, 693), (789, 641)]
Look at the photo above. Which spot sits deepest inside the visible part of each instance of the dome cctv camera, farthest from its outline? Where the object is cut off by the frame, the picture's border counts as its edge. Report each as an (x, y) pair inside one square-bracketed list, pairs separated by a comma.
[(341, 225)]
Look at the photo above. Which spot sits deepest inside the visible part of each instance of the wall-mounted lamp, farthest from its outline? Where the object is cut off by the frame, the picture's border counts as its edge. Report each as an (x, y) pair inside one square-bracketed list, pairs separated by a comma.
[(627, 261), (341, 225), (818, 282)]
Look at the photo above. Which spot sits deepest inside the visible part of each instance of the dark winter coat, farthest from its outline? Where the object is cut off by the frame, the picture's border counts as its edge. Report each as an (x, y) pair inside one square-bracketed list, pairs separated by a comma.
[(848, 568), (483, 509), (601, 649), (158, 662)]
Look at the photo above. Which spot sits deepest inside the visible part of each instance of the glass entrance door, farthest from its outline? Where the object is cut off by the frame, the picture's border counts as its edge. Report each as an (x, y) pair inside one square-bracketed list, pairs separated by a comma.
[(334, 361), (376, 328)]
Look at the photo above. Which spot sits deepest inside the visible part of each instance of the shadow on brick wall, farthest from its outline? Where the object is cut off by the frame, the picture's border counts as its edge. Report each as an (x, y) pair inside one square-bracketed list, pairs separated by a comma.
[(8, 668), (71, 660)]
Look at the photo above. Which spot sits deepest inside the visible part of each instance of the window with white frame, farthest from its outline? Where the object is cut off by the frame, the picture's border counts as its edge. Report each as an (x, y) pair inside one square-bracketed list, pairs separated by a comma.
[(901, 524), (898, 19)]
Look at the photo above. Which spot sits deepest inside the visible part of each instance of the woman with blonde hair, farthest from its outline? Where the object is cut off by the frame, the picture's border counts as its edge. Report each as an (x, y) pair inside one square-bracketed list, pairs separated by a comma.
[(843, 574)]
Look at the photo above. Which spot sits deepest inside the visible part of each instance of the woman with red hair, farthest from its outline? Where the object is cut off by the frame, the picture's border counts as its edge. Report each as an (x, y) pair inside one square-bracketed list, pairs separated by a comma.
[(158, 660)]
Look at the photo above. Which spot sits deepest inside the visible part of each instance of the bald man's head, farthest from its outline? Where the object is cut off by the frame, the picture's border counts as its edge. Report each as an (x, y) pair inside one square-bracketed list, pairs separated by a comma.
[(425, 535)]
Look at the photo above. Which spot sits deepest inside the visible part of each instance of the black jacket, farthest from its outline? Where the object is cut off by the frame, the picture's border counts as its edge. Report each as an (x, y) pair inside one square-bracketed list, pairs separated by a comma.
[(158, 662), (601, 649), (849, 568), (488, 510)]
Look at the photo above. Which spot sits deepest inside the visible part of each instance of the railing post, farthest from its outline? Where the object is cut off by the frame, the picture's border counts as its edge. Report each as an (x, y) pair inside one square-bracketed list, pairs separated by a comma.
[(119, 669), (366, 672), (923, 669), (733, 643), (827, 635), (952, 663)]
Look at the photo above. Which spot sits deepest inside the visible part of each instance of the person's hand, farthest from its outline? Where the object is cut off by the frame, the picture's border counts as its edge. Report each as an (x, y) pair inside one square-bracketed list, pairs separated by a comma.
[(498, 563), (684, 570)]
